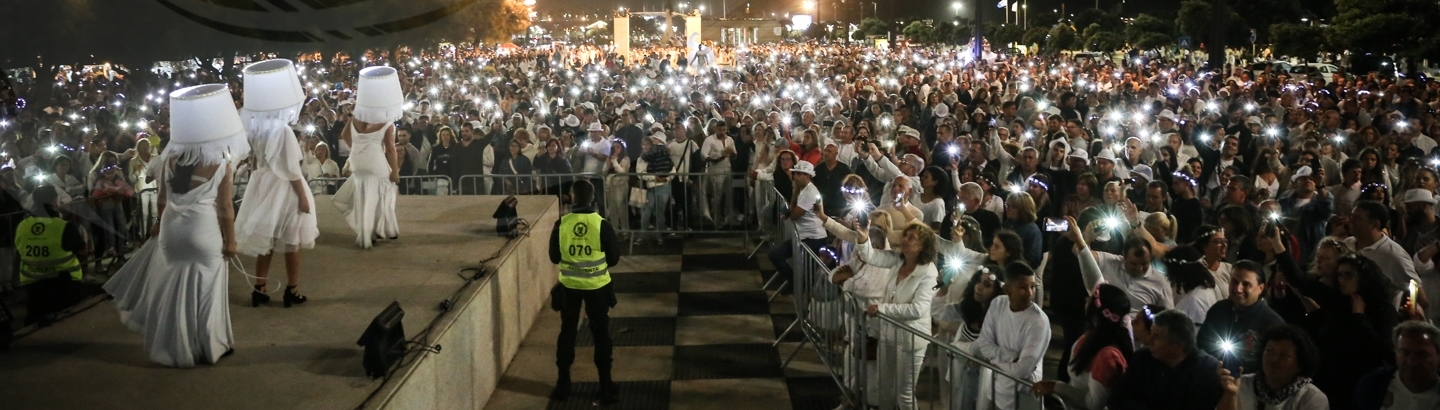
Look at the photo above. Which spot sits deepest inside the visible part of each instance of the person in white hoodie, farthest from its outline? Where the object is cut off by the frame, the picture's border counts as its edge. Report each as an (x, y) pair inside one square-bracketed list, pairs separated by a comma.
[(906, 300)]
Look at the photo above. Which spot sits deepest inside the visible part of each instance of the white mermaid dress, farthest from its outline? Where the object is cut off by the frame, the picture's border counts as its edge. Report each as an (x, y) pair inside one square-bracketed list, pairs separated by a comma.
[(174, 291), (368, 197), (269, 218)]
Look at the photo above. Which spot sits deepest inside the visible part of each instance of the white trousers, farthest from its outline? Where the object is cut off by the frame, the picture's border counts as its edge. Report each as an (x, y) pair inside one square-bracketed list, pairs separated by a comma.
[(900, 366)]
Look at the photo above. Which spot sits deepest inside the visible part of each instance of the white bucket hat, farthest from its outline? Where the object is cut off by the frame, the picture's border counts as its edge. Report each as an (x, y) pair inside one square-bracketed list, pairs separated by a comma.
[(804, 167)]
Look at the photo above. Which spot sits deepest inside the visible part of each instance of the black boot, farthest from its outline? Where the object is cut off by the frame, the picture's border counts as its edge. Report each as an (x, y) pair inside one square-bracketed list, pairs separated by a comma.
[(609, 394), (562, 387)]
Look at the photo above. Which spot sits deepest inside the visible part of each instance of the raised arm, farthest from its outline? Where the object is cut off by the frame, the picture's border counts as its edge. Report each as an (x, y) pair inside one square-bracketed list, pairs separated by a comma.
[(883, 259)]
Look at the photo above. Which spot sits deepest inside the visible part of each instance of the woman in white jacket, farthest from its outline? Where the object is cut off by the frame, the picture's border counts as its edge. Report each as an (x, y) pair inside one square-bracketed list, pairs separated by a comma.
[(907, 300)]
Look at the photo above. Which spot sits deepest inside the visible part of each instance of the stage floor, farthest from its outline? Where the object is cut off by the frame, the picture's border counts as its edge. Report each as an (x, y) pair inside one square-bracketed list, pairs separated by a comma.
[(299, 358)]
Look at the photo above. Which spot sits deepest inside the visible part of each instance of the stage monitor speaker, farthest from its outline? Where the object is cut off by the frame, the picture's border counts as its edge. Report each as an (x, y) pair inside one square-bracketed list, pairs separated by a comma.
[(507, 219), (384, 341)]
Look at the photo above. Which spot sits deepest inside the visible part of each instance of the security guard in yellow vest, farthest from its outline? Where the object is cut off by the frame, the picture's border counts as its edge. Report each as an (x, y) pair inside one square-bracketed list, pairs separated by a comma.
[(50, 265), (585, 246)]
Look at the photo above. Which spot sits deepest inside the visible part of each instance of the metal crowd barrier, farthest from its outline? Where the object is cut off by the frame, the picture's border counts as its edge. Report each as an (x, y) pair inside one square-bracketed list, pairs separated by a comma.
[(780, 229), (946, 376), (833, 322), (687, 203), (535, 184), (698, 203), (408, 185)]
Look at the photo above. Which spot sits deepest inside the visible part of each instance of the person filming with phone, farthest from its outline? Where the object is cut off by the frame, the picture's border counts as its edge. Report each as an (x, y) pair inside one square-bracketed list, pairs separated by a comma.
[(1132, 270)]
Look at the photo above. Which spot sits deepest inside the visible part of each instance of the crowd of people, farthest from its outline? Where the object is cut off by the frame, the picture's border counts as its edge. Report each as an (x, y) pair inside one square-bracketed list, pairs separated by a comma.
[(1201, 238)]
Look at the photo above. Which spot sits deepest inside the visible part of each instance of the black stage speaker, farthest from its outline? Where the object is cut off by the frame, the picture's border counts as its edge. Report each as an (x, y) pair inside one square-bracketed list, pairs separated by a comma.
[(507, 220), (384, 341)]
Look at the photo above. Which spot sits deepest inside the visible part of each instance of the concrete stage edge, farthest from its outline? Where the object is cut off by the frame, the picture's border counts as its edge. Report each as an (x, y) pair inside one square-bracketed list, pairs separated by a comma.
[(306, 357)]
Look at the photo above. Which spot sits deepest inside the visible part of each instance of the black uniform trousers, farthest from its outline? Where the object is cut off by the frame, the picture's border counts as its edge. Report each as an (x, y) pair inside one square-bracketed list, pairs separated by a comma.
[(597, 304)]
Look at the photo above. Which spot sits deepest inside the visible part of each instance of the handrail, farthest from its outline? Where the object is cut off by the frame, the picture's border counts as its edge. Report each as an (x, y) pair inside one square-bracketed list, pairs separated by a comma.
[(952, 349), (943, 345)]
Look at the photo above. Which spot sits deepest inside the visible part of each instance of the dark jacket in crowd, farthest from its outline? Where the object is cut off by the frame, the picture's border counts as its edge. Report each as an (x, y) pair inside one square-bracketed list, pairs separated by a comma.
[(1314, 218), (1189, 215), (1227, 323), (828, 181), (657, 161), (1148, 384), (989, 223), (1351, 344)]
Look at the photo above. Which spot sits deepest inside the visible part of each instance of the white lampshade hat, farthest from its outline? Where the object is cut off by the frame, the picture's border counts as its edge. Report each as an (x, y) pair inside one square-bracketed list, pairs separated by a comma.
[(273, 91), (378, 98), (205, 126)]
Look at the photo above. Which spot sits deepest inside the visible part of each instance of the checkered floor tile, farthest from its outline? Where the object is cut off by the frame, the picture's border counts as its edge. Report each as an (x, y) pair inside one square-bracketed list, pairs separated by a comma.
[(693, 312)]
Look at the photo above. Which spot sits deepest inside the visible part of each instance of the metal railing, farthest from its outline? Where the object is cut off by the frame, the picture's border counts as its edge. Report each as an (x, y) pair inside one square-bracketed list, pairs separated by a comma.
[(408, 185), (699, 202), (882, 361), (536, 184), (832, 321)]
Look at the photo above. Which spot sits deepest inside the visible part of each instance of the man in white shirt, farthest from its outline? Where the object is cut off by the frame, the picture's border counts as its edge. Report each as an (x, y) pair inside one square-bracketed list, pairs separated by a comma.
[(1015, 336), (717, 151), (808, 227), (1132, 272), (1368, 223), (596, 150), (1414, 382)]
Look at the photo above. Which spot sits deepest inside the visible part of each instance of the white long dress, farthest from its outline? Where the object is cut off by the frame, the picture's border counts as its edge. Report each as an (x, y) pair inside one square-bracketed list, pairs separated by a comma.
[(174, 291), (368, 197), (269, 218)]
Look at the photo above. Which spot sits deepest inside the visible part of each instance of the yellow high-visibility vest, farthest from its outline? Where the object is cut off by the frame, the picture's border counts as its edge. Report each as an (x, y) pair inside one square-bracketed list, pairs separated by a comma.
[(582, 262), (42, 256)]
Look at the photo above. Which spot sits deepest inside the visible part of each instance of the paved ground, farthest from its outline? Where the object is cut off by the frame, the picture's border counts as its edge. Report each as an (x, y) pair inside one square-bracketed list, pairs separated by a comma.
[(692, 330)]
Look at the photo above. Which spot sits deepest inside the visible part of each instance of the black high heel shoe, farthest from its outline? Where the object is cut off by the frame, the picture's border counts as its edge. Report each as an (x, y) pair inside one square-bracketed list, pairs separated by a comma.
[(258, 296), (292, 298)]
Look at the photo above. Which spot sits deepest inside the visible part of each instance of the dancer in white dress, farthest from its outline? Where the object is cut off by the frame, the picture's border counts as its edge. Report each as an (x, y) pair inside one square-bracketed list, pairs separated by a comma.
[(368, 196), (174, 291), (275, 215)]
